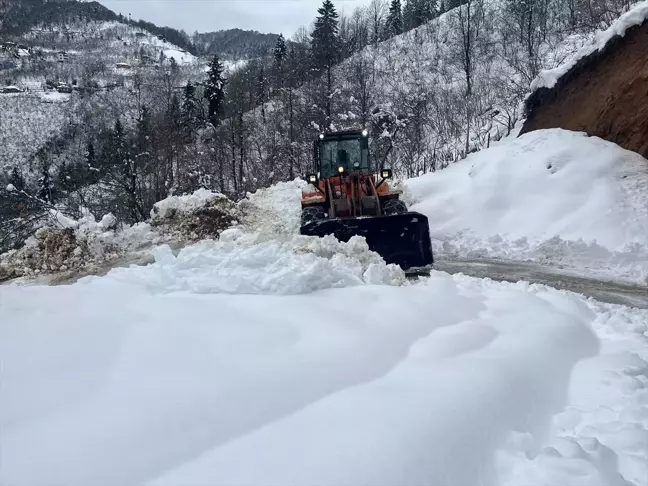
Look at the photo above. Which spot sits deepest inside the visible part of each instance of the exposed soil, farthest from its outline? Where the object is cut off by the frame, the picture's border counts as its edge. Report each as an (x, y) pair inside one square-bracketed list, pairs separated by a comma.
[(605, 95)]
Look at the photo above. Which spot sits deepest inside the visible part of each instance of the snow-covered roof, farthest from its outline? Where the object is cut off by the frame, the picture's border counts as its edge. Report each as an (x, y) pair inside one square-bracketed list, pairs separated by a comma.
[(637, 15)]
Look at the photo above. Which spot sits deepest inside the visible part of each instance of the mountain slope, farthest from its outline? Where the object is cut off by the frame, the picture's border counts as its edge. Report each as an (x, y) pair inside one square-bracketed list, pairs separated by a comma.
[(234, 44), (21, 17)]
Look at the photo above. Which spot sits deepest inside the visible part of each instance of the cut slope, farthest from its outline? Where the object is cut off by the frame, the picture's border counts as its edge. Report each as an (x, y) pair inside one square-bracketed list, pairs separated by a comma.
[(602, 91), (550, 194)]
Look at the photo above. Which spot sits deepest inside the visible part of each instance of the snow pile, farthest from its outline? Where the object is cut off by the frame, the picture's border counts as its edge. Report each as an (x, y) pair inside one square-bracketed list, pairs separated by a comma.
[(552, 196), (203, 214), (67, 245), (245, 263), (274, 211), (417, 384), (601, 437), (182, 205), (637, 15)]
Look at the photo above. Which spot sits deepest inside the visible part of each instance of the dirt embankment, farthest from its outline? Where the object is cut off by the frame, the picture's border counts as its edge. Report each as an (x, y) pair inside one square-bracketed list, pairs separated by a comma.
[(605, 95)]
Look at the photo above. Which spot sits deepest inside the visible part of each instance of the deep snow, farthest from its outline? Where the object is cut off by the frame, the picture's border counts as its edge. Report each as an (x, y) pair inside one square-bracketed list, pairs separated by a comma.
[(551, 196), (155, 376)]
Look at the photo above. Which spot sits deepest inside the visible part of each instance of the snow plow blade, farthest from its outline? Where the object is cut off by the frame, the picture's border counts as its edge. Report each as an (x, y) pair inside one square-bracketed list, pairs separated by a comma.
[(401, 239)]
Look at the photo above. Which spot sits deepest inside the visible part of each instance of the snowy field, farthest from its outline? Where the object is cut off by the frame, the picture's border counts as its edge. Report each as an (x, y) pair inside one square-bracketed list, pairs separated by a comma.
[(550, 196), (311, 362)]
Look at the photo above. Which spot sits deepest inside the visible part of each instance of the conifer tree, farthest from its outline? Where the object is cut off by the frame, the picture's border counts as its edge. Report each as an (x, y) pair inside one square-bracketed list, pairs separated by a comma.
[(325, 47), (215, 90), (189, 109), (16, 179), (395, 19)]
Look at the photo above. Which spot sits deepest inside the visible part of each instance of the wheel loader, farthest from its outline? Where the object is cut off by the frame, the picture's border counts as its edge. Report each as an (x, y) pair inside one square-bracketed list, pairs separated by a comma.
[(348, 196)]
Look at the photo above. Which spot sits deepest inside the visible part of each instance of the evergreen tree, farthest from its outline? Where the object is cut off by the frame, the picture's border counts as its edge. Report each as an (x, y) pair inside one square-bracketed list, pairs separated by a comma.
[(280, 55), (189, 109), (144, 129), (45, 185), (215, 90), (325, 47), (174, 66), (409, 15), (280, 52), (395, 19), (114, 149), (16, 179), (419, 12), (91, 157)]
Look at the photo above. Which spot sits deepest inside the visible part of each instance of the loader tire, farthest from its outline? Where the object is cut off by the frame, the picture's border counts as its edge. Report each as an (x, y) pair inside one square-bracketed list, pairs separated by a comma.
[(312, 214), (394, 206)]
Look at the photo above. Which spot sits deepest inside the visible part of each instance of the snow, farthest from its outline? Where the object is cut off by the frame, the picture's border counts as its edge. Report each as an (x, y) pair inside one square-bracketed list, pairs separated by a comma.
[(448, 381), (54, 96), (602, 432), (184, 204), (11, 188), (274, 211), (553, 196), (239, 263), (180, 56), (637, 15)]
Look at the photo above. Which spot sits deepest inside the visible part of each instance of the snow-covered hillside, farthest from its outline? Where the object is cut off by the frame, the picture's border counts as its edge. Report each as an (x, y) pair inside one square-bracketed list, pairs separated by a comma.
[(100, 63), (551, 195)]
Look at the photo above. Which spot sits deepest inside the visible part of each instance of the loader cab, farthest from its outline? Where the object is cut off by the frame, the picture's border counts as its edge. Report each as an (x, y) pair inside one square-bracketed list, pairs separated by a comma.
[(342, 153)]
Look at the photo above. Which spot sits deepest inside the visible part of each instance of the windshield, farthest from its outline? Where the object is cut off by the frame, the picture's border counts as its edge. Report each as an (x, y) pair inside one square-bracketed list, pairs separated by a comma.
[(349, 154)]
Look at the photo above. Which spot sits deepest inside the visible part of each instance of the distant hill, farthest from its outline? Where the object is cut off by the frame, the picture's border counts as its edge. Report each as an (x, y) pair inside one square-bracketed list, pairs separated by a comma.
[(19, 16), (234, 44)]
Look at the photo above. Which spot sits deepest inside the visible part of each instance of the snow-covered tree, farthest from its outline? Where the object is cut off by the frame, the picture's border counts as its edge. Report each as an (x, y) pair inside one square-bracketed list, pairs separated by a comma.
[(215, 90), (325, 49)]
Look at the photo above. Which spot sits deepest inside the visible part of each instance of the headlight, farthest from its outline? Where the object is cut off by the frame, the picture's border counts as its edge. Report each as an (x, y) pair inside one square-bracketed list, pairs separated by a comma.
[(341, 170), (321, 136), (365, 133), (386, 173), (312, 178)]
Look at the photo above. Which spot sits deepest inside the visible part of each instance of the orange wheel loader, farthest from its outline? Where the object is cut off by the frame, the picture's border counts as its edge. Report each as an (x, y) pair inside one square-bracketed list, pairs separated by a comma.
[(347, 196)]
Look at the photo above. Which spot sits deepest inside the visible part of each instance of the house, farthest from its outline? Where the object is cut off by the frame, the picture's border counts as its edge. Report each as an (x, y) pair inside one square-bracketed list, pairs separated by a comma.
[(603, 92), (10, 90), (63, 88), (62, 56)]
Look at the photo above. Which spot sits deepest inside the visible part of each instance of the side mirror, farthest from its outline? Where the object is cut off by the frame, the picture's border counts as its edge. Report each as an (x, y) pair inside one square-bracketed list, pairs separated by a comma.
[(386, 173)]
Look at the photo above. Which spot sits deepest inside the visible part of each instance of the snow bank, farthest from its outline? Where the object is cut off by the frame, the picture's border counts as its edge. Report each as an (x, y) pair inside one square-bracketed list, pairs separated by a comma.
[(201, 215), (553, 196), (601, 437), (362, 385), (274, 211), (66, 244), (637, 15), (243, 263), (182, 205)]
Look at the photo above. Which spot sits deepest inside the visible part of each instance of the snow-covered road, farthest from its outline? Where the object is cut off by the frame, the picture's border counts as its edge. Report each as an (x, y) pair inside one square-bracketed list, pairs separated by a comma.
[(313, 363), (559, 278)]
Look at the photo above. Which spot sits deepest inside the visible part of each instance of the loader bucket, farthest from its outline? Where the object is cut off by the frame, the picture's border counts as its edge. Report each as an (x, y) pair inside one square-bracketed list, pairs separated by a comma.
[(402, 239)]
